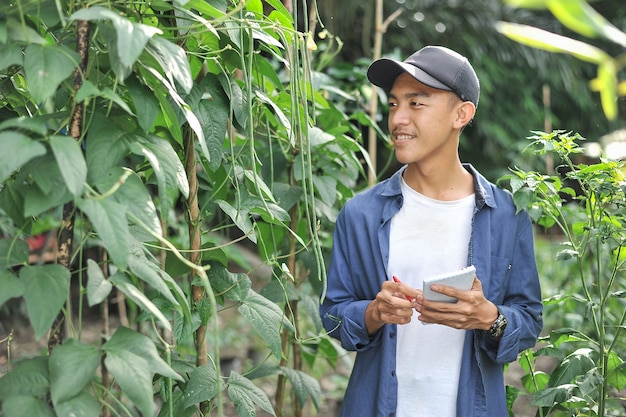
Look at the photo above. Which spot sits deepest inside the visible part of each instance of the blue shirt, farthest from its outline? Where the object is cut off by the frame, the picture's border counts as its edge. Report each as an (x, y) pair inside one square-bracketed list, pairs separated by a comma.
[(502, 250)]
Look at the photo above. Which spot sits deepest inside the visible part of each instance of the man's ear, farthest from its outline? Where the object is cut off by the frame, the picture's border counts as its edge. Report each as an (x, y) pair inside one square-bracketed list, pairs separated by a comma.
[(465, 113)]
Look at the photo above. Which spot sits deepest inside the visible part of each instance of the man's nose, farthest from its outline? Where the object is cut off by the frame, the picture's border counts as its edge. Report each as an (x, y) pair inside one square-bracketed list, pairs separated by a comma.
[(399, 117)]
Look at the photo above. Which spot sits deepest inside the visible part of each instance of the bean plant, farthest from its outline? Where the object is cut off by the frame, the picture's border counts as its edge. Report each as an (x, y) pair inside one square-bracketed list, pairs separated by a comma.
[(151, 142)]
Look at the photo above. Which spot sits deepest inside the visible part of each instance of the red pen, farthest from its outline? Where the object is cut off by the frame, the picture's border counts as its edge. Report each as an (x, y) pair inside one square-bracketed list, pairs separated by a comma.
[(395, 279)]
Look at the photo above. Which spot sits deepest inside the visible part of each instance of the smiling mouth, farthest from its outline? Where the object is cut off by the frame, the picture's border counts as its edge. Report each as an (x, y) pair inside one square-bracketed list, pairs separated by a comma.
[(403, 137)]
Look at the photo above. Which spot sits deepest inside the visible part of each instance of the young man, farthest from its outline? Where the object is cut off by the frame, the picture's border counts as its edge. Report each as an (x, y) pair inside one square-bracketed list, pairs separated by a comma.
[(416, 357)]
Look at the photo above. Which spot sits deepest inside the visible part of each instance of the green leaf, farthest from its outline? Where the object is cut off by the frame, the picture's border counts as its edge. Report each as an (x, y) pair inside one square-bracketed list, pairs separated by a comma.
[(47, 66), (213, 113), (109, 220), (266, 318), (240, 218), (580, 17), (72, 365), (88, 90), (202, 385), (326, 188), (173, 61), (46, 288), (133, 375), (573, 366), (17, 149), (553, 395), (29, 377), (125, 340), (25, 406), (106, 146), (131, 37), (616, 371), (13, 252), (98, 288), (236, 98), (284, 121), (124, 285), (165, 163), (11, 286), (19, 32), (151, 274), (134, 195), (82, 405), (245, 395), (146, 105), (10, 55), (231, 285), (605, 84), (304, 386), (542, 39), (71, 162)]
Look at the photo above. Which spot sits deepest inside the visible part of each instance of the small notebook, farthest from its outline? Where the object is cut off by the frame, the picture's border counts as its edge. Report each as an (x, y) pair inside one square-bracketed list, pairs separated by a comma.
[(461, 279)]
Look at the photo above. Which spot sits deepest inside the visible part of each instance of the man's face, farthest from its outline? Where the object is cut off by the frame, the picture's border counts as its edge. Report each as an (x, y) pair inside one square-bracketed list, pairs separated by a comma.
[(423, 122)]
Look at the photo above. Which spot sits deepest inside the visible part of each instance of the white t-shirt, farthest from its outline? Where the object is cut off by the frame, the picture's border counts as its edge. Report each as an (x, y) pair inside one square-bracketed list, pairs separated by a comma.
[(428, 237)]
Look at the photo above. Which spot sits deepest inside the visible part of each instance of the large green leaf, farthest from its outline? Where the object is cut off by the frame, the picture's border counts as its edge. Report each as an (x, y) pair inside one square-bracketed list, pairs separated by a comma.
[(109, 219), (266, 318), (202, 385), (11, 286), (45, 290), (17, 149), (72, 365), (26, 406), (29, 378), (616, 371), (106, 146), (19, 32), (82, 405), (166, 164), (13, 252), (146, 105), (173, 61), (122, 283), (125, 340), (245, 396), (548, 41), (573, 366), (213, 113), (580, 17), (304, 386), (133, 375), (151, 274), (71, 162), (10, 54), (131, 37), (134, 195), (45, 67)]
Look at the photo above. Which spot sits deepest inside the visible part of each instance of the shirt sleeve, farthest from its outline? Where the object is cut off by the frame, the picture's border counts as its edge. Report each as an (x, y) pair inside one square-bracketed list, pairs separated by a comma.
[(343, 310), (521, 302)]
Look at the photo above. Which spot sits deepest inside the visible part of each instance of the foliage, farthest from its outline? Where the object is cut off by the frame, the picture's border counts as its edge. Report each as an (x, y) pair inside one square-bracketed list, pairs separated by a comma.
[(581, 18), (587, 204), (138, 127)]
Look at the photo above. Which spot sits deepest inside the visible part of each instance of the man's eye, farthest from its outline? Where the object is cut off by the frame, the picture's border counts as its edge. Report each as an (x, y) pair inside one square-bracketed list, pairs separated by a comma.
[(392, 104)]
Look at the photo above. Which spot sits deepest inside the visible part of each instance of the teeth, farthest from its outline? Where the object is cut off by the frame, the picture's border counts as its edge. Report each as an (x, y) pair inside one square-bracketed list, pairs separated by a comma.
[(403, 137)]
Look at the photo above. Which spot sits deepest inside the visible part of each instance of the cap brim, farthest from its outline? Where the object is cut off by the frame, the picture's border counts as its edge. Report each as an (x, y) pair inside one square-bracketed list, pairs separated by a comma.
[(383, 73)]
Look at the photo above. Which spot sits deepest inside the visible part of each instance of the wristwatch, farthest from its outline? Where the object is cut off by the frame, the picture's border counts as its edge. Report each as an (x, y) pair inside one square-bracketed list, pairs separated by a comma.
[(497, 328)]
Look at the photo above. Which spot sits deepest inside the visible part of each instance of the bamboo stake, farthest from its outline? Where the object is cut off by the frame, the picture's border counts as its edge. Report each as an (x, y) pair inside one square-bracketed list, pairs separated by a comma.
[(381, 28)]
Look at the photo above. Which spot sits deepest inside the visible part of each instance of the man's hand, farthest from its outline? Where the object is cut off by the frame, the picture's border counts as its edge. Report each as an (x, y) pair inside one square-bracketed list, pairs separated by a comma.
[(391, 306), (471, 311)]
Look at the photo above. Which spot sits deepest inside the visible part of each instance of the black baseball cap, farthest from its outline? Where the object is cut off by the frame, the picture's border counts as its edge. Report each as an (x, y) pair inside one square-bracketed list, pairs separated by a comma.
[(435, 66)]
